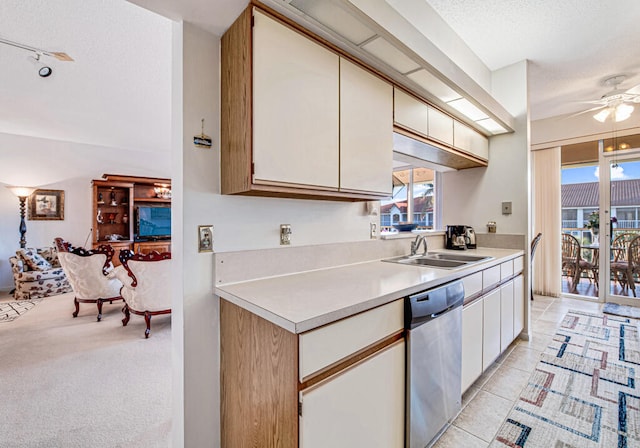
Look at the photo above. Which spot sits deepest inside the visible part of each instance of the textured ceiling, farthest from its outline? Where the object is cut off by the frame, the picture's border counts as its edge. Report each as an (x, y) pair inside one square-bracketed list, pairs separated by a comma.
[(117, 92), (572, 45)]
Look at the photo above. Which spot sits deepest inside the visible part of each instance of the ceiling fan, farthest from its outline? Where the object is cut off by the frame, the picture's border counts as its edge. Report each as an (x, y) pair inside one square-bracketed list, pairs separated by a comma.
[(617, 103)]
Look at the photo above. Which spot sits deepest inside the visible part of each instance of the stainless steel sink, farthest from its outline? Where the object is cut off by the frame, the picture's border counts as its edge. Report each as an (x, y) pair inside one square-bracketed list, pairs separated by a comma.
[(438, 260), (456, 257)]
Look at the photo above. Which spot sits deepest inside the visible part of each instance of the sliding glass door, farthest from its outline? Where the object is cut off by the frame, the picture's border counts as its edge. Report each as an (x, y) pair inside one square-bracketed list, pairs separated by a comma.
[(619, 220)]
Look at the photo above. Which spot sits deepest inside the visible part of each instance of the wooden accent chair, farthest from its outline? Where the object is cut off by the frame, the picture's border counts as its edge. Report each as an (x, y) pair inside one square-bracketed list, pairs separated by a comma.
[(620, 262), (534, 245), (146, 280), (633, 263), (573, 263), (90, 273)]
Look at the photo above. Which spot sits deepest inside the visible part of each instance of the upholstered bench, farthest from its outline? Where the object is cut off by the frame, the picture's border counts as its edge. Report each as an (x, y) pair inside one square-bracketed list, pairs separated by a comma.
[(37, 273)]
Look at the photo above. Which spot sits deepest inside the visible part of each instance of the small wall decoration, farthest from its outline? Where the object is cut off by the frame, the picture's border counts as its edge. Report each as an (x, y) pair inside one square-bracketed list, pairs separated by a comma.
[(202, 140), (46, 205), (205, 238)]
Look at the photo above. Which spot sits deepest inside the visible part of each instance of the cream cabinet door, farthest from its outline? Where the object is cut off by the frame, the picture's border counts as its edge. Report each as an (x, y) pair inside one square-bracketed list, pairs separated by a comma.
[(490, 328), (366, 131), (518, 305), (506, 315), (295, 108), (362, 406), (409, 112), (471, 343), (440, 126), (470, 141)]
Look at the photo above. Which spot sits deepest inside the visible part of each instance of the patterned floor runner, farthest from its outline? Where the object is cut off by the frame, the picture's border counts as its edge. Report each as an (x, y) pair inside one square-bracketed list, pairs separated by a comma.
[(12, 310), (585, 390)]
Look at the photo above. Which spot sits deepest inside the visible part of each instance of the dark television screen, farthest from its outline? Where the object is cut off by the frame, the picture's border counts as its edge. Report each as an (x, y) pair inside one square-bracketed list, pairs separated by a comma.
[(154, 221)]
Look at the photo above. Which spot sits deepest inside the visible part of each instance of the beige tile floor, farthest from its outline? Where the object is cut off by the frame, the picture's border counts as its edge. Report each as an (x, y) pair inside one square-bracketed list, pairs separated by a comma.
[(486, 404)]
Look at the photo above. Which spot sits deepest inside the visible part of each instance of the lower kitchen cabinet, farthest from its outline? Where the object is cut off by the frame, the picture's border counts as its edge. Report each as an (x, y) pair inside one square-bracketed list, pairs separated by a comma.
[(490, 324), (491, 328), (362, 406), (339, 385), (471, 343), (506, 315), (518, 305)]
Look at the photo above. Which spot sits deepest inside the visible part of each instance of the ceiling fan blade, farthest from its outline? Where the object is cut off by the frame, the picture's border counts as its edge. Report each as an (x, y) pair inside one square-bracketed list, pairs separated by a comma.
[(586, 111), (635, 90)]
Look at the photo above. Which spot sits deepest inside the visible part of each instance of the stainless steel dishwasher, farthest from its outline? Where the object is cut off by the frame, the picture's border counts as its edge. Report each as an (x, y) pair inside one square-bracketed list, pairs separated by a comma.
[(433, 320)]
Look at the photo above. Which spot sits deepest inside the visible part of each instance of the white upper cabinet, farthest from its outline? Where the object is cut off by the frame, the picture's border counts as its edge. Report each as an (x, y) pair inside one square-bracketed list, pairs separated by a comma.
[(409, 112), (469, 140), (440, 126), (295, 108), (366, 130)]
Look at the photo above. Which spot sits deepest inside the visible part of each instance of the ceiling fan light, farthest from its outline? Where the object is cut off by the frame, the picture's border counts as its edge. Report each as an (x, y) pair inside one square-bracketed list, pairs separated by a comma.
[(623, 111), (602, 115)]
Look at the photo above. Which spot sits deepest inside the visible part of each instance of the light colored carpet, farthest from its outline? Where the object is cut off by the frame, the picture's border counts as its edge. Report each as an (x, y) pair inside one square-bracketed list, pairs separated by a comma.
[(584, 390), (10, 311), (68, 382)]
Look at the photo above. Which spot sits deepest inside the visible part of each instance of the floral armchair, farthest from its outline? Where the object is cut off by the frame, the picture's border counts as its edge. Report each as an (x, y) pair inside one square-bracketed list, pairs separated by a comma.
[(37, 273)]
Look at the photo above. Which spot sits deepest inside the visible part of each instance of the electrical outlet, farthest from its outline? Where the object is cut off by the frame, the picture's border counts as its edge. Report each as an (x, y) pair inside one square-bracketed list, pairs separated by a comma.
[(285, 234), (506, 208), (373, 230)]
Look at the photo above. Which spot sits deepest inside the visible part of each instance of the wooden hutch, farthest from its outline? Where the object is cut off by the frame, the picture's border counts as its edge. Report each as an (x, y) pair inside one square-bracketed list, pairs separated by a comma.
[(116, 199)]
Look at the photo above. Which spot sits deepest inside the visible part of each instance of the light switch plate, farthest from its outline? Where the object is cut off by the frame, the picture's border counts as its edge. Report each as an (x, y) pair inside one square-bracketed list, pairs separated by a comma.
[(506, 208)]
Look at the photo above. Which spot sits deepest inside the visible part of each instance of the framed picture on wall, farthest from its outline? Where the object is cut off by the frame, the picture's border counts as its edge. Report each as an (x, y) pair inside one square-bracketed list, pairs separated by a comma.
[(46, 205)]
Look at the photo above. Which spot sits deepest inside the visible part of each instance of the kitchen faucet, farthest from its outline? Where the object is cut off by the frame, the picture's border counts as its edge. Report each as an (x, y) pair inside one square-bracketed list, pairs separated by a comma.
[(415, 244)]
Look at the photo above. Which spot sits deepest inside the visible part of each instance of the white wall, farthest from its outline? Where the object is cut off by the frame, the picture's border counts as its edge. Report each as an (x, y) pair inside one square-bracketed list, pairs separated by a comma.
[(475, 196), (59, 165)]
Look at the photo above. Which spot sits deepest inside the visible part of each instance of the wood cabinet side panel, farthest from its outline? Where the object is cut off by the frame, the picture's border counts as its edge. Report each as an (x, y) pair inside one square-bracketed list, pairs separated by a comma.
[(236, 100), (258, 381)]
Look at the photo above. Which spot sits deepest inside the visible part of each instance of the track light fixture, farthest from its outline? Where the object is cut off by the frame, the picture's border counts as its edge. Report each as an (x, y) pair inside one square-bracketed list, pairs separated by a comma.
[(43, 70)]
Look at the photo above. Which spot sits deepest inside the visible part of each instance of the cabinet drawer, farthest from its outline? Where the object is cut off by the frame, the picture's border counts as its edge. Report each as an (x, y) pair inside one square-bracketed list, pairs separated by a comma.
[(506, 270), (518, 265), (326, 345), (472, 284), (490, 277)]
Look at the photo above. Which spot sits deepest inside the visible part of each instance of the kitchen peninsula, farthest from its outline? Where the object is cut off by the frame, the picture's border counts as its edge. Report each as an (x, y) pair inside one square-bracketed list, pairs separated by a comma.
[(313, 350)]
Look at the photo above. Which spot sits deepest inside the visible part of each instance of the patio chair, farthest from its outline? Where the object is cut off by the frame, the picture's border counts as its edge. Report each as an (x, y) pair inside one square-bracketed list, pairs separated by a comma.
[(534, 245), (573, 263), (633, 262), (146, 280), (90, 274), (620, 263)]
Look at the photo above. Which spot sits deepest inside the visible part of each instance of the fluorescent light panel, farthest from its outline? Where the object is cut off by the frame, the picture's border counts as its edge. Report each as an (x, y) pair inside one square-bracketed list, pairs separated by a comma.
[(469, 110), (390, 55), (434, 86), (491, 125), (336, 19)]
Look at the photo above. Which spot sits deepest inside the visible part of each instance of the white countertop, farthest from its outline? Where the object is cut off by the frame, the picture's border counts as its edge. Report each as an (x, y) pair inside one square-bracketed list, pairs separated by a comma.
[(302, 301)]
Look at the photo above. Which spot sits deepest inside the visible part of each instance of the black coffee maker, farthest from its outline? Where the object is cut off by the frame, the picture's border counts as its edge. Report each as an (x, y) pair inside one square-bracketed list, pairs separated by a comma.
[(460, 237), (456, 237)]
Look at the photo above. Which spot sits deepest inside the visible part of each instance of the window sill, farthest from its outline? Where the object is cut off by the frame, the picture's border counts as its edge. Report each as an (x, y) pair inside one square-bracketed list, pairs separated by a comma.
[(412, 234)]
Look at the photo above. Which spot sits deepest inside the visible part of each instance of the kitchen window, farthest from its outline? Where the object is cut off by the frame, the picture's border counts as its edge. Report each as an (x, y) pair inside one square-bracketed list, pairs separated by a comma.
[(413, 200)]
